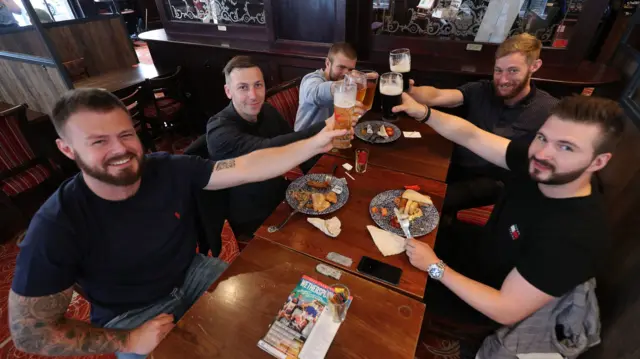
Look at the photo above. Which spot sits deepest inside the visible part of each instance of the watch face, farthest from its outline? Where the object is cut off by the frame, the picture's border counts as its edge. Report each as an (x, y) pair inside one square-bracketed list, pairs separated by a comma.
[(434, 271)]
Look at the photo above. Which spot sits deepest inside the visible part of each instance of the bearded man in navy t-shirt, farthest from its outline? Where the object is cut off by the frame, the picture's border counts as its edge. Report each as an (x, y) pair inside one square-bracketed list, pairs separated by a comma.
[(124, 229)]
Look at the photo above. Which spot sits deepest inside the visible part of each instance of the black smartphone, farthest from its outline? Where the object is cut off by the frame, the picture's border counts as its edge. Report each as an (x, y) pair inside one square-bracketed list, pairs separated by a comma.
[(384, 272)]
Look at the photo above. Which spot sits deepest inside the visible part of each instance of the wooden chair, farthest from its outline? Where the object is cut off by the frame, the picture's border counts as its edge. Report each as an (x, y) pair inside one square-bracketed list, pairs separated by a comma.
[(77, 69), (134, 102), (21, 168), (285, 98), (166, 103)]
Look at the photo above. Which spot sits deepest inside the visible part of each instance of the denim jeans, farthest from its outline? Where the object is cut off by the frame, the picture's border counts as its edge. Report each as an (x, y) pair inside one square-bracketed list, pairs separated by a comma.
[(202, 272)]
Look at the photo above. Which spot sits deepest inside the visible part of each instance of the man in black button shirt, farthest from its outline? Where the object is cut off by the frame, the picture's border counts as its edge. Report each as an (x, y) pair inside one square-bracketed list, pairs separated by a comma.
[(547, 233), (248, 124), (509, 106)]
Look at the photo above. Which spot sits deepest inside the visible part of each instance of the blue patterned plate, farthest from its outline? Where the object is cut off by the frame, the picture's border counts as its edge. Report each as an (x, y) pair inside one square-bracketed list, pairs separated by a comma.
[(374, 137), (419, 227), (300, 184)]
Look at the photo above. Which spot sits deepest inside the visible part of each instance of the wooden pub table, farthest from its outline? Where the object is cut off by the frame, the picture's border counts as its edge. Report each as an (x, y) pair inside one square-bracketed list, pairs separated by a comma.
[(117, 80), (228, 321), (355, 241), (427, 156)]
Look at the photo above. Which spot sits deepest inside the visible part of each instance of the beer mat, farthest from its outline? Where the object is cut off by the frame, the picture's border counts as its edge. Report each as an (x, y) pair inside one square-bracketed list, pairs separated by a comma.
[(368, 131), (301, 185), (420, 226), (412, 134), (347, 167)]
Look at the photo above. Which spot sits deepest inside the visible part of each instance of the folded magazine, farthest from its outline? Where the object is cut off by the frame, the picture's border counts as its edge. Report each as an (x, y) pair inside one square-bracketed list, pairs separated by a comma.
[(304, 327)]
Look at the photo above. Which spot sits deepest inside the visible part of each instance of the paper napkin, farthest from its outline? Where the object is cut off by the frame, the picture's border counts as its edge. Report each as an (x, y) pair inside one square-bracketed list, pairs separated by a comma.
[(330, 227), (388, 243), (412, 134)]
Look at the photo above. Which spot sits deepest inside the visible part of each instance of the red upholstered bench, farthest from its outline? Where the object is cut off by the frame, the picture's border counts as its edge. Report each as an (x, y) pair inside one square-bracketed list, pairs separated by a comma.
[(478, 216)]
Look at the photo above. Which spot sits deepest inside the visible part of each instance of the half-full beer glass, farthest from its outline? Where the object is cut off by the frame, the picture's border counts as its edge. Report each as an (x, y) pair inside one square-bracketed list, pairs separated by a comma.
[(372, 83), (400, 62), (391, 91), (344, 99)]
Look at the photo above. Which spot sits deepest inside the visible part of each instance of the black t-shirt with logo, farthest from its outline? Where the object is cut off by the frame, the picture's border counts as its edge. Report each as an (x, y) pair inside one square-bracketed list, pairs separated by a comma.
[(555, 244)]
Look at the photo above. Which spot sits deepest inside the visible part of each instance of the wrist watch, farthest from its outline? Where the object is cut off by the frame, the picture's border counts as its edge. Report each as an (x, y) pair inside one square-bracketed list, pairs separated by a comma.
[(436, 270)]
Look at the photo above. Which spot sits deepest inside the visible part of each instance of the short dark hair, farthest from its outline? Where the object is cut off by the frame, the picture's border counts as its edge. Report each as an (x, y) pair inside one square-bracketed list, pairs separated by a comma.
[(342, 48), (594, 110), (91, 99), (238, 62)]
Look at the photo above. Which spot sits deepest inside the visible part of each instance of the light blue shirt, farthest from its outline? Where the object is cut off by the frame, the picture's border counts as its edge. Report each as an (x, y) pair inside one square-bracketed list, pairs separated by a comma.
[(315, 102)]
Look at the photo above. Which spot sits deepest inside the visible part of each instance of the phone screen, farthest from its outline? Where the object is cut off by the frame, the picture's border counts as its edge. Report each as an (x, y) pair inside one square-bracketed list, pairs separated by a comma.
[(382, 271)]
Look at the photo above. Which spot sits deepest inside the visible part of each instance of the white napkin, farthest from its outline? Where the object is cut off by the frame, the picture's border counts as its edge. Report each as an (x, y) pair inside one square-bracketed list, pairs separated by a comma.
[(330, 227), (412, 134), (388, 243)]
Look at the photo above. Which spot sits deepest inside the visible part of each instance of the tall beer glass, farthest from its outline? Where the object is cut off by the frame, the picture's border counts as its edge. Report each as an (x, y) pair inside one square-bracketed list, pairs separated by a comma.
[(400, 62), (344, 99), (391, 91), (360, 80), (372, 83)]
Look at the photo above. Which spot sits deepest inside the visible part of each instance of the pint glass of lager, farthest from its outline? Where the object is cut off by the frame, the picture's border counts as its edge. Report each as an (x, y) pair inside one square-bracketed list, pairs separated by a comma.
[(372, 83), (400, 62), (344, 99), (391, 94)]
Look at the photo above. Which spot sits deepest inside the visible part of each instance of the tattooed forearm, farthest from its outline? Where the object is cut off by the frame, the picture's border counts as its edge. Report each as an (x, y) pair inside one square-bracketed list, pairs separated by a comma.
[(38, 326), (226, 164)]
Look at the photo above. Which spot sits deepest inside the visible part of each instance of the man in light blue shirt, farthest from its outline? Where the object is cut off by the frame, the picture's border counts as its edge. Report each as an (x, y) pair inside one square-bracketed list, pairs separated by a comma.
[(316, 88)]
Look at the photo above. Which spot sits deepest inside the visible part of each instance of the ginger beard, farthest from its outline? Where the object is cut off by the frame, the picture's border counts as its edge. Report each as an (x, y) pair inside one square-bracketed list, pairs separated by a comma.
[(543, 172), (512, 88), (120, 170)]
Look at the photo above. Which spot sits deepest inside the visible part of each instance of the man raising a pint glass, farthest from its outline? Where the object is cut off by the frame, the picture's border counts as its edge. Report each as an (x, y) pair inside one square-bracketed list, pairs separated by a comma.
[(509, 106), (317, 89)]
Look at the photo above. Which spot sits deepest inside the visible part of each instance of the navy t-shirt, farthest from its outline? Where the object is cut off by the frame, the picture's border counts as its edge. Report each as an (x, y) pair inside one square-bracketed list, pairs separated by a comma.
[(125, 254)]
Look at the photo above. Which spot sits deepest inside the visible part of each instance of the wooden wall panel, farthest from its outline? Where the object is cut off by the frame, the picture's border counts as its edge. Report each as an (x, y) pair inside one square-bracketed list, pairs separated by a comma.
[(103, 43), (36, 85), (23, 42)]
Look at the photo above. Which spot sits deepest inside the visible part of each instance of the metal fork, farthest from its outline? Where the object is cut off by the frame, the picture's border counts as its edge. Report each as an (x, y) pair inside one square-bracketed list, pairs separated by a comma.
[(301, 205), (403, 220)]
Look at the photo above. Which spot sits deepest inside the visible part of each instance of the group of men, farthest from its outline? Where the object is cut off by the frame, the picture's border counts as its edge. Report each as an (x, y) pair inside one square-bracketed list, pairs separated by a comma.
[(124, 227)]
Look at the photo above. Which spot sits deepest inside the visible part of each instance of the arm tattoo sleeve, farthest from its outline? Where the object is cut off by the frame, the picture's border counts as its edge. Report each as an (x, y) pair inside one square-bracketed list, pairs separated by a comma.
[(38, 326), (226, 164)]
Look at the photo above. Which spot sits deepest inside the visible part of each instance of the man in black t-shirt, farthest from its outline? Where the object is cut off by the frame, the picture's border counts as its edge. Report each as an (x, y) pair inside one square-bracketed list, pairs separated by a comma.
[(124, 229), (547, 233), (509, 106)]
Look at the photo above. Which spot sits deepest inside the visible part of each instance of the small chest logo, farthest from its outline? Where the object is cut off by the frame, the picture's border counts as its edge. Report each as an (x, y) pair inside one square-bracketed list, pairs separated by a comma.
[(177, 215), (514, 232)]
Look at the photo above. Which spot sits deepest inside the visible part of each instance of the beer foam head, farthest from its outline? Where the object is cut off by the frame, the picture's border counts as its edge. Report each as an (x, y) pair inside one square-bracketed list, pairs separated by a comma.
[(402, 66), (391, 89), (343, 100)]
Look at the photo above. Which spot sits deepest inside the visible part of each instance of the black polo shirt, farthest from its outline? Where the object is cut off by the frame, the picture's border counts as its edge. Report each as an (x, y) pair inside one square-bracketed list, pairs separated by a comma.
[(489, 112)]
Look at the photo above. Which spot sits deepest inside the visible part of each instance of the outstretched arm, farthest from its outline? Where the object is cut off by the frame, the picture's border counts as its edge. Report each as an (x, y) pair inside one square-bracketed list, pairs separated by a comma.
[(492, 148), (432, 96), (271, 162)]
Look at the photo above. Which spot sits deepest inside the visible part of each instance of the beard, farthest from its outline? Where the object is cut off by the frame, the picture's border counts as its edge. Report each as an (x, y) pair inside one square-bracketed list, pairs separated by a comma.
[(555, 179), (516, 87), (125, 177), (333, 76)]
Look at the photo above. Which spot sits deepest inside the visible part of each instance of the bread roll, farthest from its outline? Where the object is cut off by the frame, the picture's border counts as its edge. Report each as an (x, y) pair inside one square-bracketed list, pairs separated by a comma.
[(417, 197)]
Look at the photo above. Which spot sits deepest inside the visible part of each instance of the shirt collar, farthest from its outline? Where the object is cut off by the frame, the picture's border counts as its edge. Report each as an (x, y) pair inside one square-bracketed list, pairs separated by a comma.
[(236, 116)]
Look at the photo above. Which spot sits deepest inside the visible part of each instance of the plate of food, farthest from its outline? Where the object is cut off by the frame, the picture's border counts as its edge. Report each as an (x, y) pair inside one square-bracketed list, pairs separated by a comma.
[(377, 131), (317, 194), (423, 215)]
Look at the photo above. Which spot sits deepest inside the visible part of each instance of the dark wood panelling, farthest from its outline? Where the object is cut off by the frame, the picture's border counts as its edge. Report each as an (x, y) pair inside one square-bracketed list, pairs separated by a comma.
[(36, 85), (25, 42), (305, 20), (103, 43)]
